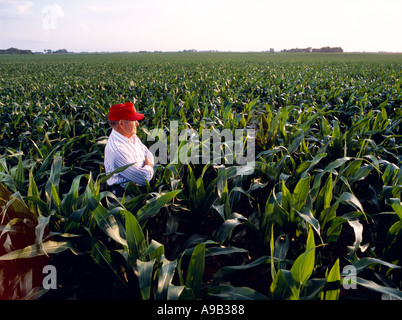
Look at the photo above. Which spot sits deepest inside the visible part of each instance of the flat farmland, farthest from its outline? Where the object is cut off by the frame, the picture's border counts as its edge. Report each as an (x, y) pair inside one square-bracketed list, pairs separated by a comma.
[(315, 214)]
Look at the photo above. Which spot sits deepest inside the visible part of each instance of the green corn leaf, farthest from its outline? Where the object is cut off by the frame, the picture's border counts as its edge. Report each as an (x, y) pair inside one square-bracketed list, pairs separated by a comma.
[(283, 287), (222, 181), (306, 166), (281, 250), (104, 218), (54, 180), (358, 230), (155, 250), (32, 187), (19, 179), (104, 177), (153, 206), (272, 249), (337, 163), (135, 237), (216, 251), (363, 263), (397, 206), (70, 201), (196, 269), (32, 192), (46, 163), (10, 226), (371, 285), (15, 203), (40, 228), (165, 278), (108, 224), (143, 271), (191, 182), (101, 255), (361, 173), (304, 265), (287, 203), (389, 174), (301, 191), (316, 186), (325, 196), (42, 205), (235, 293), (225, 200), (296, 142), (334, 276), (228, 226), (3, 165), (174, 292), (307, 216), (352, 168), (349, 198), (136, 203), (56, 200), (221, 210), (36, 250), (228, 270)]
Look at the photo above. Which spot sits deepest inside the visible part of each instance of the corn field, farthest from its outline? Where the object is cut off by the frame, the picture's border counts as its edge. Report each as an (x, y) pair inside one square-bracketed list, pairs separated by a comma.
[(319, 218)]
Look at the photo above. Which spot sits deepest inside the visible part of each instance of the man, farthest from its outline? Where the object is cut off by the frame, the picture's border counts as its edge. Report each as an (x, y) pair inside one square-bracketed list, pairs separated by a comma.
[(124, 147)]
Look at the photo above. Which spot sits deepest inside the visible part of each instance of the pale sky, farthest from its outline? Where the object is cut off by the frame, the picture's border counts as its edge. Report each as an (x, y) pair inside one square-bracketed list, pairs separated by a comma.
[(225, 25)]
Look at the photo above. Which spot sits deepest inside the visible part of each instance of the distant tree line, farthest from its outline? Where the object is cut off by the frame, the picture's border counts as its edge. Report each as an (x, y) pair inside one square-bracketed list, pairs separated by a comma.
[(15, 51), (310, 50), (19, 51), (50, 51)]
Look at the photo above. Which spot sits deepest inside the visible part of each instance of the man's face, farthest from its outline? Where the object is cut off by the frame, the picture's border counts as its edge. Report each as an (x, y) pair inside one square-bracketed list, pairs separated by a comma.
[(128, 127)]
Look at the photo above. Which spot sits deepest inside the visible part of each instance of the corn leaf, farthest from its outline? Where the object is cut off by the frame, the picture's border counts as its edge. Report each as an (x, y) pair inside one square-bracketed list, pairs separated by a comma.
[(153, 206), (307, 216), (166, 274), (228, 270), (228, 226), (36, 250), (283, 287), (301, 191), (235, 293), (196, 269), (397, 206), (135, 237), (32, 191), (143, 271), (304, 265), (334, 276), (19, 179), (70, 201), (371, 285), (174, 292)]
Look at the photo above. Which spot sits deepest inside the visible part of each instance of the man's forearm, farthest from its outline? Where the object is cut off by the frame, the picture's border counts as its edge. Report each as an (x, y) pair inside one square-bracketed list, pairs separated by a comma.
[(136, 173)]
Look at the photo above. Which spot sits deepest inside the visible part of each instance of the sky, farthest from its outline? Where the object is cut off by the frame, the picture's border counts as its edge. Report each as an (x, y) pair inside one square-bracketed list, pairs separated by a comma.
[(224, 25)]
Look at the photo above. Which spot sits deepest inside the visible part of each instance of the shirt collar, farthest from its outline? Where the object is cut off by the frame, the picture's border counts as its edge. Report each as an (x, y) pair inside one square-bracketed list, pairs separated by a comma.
[(121, 137)]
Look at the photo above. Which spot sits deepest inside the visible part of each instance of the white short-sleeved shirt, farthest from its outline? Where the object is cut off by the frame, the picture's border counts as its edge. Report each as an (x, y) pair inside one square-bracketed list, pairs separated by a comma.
[(120, 151)]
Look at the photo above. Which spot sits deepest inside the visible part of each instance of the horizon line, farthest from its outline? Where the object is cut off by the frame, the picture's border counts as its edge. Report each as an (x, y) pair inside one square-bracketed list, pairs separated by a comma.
[(51, 51)]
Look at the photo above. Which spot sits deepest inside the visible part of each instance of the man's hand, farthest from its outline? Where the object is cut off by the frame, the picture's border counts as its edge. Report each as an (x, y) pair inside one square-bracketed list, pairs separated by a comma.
[(147, 162)]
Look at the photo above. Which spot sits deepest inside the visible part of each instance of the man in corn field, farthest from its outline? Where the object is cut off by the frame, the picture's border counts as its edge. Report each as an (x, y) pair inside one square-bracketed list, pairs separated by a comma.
[(124, 148)]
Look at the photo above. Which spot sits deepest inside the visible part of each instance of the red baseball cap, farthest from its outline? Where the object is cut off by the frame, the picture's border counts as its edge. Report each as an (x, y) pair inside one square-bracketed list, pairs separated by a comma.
[(124, 111)]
